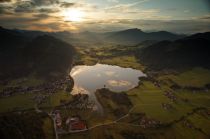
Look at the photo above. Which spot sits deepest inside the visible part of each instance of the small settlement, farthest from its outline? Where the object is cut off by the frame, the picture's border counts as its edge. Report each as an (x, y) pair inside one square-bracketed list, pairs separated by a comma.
[(49, 88), (171, 96), (76, 124), (72, 123)]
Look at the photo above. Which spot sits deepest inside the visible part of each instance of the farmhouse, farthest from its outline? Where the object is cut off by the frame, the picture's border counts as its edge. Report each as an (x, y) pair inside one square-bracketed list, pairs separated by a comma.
[(58, 119), (75, 124)]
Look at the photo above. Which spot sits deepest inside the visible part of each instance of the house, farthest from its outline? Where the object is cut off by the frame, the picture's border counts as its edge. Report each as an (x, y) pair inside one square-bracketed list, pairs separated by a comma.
[(58, 119), (75, 124), (78, 126)]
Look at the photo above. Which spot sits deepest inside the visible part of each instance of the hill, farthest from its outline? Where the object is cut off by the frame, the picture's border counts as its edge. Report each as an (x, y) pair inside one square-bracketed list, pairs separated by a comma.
[(188, 52), (44, 56), (135, 36), (49, 55)]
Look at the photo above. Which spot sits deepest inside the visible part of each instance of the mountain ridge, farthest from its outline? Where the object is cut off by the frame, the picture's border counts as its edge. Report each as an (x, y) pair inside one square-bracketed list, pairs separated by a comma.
[(135, 36), (191, 51), (43, 55)]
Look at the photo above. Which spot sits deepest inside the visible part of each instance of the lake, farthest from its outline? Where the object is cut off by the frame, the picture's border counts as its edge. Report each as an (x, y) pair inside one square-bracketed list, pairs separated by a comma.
[(87, 79)]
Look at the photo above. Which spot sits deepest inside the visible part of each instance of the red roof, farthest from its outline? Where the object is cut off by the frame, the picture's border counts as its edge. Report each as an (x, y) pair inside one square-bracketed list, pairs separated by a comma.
[(78, 126)]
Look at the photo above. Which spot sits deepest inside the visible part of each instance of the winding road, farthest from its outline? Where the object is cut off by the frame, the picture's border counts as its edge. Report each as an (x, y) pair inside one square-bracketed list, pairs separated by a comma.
[(105, 124)]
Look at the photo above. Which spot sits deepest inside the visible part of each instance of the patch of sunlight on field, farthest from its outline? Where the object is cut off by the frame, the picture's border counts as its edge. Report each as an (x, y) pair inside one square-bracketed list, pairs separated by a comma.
[(123, 61), (201, 122), (198, 98), (148, 99), (87, 60), (197, 77), (56, 98)]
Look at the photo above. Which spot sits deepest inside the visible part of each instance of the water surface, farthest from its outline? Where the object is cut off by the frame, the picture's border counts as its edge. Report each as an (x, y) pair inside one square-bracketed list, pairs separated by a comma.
[(87, 79)]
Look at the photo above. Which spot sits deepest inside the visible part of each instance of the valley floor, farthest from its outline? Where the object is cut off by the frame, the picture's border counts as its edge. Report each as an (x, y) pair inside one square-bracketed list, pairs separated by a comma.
[(165, 105)]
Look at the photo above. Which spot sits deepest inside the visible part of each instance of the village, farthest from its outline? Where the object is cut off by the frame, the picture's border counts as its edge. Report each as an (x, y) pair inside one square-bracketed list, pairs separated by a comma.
[(75, 124), (70, 124), (48, 88), (149, 123), (171, 96)]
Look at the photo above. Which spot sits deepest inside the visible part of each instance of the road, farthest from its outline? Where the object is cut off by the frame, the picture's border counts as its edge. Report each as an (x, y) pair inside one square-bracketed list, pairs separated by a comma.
[(54, 124), (51, 116), (105, 124)]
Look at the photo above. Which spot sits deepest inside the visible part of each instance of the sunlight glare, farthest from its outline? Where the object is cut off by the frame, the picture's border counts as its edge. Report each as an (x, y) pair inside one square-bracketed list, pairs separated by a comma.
[(74, 15)]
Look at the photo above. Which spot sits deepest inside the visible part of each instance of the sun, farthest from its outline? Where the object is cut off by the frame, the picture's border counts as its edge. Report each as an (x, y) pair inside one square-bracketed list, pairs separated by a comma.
[(74, 15)]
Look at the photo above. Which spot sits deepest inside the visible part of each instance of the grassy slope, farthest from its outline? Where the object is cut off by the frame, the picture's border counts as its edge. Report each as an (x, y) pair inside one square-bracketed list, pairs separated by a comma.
[(123, 61), (197, 77), (16, 102), (25, 101), (111, 55)]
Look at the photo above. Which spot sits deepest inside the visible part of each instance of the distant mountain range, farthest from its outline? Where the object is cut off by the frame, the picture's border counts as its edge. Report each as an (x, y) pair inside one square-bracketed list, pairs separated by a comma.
[(135, 36), (125, 37), (44, 56), (188, 52)]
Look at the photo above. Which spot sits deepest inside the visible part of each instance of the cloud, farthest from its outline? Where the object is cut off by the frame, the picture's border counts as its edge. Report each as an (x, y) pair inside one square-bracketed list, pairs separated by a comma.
[(41, 16), (36, 2), (110, 73), (11, 22), (36, 22), (32, 6), (114, 1), (42, 6), (47, 14), (84, 6), (178, 26), (205, 17), (48, 10), (119, 83), (5, 9), (186, 11), (47, 22), (5, 1), (189, 26), (24, 6), (78, 89), (98, 75), (45, 2), (67, 4), (77, 71), (123, 7), (13, 19), (131, 10)]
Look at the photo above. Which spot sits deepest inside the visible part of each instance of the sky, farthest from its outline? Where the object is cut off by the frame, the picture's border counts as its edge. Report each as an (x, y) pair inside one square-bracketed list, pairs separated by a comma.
[(179, 16)]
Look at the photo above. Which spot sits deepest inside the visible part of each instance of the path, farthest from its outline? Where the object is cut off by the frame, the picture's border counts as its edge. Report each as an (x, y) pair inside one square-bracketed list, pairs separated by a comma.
[(55, 130), (104, 124), (51, 116), (96, 126)]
